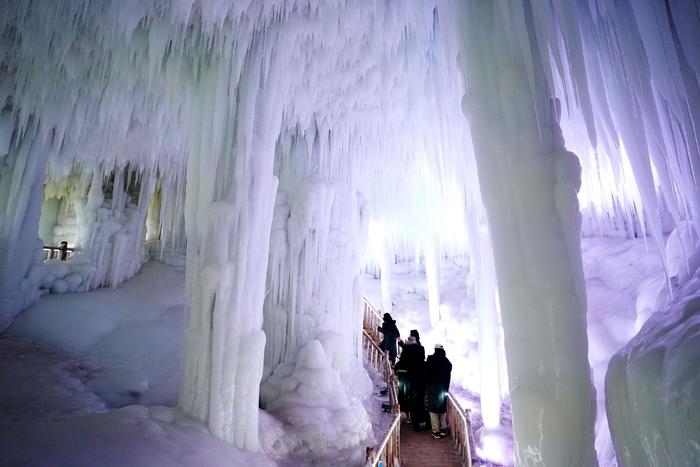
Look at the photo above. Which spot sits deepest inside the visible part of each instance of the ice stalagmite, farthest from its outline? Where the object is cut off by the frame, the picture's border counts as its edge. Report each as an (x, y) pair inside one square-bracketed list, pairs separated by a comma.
[(514, 131)]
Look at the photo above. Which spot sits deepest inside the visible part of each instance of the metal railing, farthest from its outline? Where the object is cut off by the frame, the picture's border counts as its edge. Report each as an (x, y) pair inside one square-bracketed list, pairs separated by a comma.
[(458, 419)]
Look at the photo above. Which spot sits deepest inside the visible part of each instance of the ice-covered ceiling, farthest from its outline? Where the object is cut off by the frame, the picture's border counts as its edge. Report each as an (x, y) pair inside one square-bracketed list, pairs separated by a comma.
[(337, 97), (110, 83)]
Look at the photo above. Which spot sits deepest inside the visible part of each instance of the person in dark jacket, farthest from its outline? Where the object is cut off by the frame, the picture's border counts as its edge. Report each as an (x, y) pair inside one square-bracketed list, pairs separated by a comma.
[(438, 370), (414, 333), (64, 250), (390, 333), (411, 371)]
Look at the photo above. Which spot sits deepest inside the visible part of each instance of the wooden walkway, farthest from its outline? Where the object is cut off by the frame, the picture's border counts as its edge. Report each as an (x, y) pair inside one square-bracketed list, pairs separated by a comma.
[(402, 446), (419, 449)]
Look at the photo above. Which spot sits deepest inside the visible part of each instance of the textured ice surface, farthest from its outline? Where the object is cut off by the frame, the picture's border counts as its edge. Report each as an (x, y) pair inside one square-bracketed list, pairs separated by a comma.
[(320, 406), (209, 91), (653, 387)]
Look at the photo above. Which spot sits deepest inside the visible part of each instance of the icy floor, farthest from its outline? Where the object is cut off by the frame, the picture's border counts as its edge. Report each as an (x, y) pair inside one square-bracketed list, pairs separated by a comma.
[(71, 358), (50, 417), (115, 330), (41, 383), (615, 270)]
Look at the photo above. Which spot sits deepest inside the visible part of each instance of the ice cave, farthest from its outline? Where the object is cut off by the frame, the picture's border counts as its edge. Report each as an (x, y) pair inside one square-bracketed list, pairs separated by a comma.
[(228, 226)]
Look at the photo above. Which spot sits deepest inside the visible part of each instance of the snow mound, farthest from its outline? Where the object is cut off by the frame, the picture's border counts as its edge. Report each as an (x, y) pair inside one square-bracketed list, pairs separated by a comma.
[(325, 415)]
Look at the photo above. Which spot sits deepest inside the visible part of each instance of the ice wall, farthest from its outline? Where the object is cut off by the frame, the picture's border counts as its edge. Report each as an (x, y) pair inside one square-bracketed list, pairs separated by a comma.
[(21, 175), (316, 246)]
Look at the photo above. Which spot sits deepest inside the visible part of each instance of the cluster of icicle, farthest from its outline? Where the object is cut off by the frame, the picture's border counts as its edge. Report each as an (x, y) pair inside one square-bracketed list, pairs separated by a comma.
[(219, 92)]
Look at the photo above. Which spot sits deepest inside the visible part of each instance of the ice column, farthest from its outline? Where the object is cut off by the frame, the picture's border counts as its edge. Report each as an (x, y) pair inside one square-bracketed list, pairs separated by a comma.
[(431, 256), (487, 312), (229, 204), (22, 165), (381, 251), (509, 109)]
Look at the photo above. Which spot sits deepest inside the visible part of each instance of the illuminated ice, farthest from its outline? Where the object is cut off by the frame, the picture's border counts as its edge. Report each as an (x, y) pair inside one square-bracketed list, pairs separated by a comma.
[(264, 135)]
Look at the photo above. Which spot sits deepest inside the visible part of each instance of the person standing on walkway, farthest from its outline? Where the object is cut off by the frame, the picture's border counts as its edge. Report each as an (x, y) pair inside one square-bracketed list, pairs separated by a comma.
[(410, 369), (390, 333), (438, 371)]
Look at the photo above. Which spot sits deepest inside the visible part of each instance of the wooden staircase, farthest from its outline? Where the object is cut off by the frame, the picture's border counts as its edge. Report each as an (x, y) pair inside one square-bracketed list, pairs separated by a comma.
[(388, 452)]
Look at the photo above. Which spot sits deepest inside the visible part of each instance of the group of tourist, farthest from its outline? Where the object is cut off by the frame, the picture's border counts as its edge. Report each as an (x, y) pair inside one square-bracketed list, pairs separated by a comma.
[(423, 383)]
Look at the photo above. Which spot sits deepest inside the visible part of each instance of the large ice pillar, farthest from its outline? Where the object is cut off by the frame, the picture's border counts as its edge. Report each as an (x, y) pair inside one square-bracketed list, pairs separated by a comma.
[(229, 204), (523, 171), (23, 161)]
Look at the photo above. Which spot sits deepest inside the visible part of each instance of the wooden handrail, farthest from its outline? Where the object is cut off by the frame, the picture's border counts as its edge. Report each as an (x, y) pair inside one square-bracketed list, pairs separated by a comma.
[(371, 320), (380, 361), (460, 427), (389, 452)]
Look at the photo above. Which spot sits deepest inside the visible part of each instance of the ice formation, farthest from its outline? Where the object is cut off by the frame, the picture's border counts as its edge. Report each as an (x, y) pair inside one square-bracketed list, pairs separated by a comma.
[(287, 144), (320, 398), (652, 387)]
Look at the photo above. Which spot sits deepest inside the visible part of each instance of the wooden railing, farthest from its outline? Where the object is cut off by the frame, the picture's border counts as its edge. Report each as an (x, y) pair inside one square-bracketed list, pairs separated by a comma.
[(388, 453), (371, 320), (460, 426), (380, 361), (54, 252), (458, 419)]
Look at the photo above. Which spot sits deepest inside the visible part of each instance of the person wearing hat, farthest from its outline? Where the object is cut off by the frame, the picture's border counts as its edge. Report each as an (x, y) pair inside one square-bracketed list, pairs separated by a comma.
[(438, 370), (390, 333)]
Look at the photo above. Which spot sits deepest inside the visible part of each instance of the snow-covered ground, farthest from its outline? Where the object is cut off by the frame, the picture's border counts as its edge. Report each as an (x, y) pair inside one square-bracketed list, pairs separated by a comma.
[(72, 366), (616, 270), (130, 335), (70, 360)]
